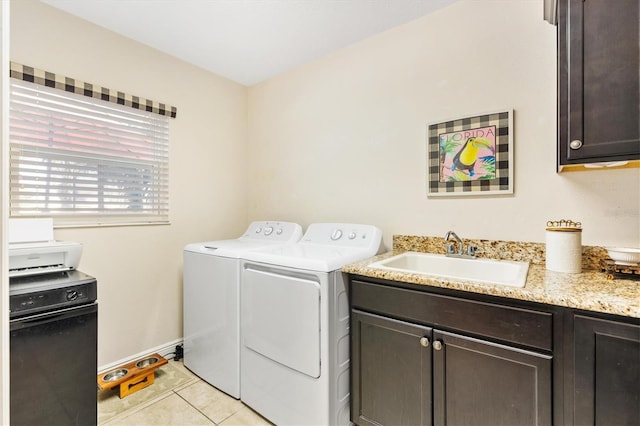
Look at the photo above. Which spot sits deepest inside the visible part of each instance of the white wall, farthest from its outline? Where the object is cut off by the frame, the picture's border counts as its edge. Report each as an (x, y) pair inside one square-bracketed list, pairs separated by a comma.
[(343, 138), (139, 269)]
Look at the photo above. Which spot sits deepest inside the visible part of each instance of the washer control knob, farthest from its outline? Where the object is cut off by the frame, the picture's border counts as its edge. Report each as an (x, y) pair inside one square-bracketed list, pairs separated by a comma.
[(336, 234), (279, 231), (258, 230), (352, 235), (268, 230)]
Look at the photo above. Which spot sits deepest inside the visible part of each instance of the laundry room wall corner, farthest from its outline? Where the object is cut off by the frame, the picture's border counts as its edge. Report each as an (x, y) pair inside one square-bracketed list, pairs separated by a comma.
[(139, 268)]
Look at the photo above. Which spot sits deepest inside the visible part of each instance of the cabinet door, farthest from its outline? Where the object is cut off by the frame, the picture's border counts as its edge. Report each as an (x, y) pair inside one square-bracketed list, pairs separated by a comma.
[(606, 371), (390, 371), (599, 86), (476, 382)]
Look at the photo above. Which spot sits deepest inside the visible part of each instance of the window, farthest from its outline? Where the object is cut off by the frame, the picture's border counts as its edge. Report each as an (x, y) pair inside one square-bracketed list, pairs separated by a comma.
[(86, 161)]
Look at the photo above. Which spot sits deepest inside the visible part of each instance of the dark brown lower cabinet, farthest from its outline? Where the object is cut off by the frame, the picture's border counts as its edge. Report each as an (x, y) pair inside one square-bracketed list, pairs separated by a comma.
[(422, 356), (476, 382), (606, 372), (407, 374), (392, 380)]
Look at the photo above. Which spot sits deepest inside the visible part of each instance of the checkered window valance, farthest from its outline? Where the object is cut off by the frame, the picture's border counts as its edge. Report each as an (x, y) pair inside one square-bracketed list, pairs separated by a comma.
[(49, 79)]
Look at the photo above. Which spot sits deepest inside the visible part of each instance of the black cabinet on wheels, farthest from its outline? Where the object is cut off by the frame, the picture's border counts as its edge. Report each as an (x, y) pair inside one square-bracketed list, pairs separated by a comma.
[(419, 359), (598, 81), (606, 371)]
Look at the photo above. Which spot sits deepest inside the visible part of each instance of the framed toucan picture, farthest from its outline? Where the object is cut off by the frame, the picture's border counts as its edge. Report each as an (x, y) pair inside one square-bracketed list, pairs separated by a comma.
[(471, 155)]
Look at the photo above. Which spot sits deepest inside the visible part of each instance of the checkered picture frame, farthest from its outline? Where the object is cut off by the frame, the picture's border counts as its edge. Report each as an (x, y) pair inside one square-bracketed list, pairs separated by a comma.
[(503, 181), (57, 81)]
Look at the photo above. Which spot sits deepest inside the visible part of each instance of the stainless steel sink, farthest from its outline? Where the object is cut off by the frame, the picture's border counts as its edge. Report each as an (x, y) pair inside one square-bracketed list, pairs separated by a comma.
[(489, 271)]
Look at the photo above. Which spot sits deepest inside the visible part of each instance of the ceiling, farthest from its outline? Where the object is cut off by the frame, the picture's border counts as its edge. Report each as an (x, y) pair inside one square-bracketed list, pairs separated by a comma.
[(248, 41)]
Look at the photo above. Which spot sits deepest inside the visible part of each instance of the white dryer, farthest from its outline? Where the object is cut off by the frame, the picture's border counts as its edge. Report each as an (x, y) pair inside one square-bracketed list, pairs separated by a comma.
[(295, 325), (211, 301)]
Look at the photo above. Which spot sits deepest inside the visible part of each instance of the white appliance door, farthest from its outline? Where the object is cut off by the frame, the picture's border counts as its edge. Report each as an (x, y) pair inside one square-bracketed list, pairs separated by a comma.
[(281, 316), (211, 320)]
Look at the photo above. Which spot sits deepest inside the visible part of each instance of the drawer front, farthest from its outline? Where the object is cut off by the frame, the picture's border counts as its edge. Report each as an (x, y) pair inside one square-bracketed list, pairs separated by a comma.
[(504, 323)]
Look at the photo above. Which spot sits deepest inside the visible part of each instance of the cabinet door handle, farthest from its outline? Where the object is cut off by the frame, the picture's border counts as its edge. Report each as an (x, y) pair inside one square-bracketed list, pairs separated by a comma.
[(424, 342), (437, 345), (575, 144)]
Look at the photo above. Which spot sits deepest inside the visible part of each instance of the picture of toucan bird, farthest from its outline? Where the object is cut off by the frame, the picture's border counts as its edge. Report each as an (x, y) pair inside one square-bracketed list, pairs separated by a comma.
[(465, 158)]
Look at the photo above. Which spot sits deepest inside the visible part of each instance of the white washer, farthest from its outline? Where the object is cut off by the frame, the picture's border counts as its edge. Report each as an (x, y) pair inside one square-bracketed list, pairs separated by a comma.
[(211, 301), (295, 325)]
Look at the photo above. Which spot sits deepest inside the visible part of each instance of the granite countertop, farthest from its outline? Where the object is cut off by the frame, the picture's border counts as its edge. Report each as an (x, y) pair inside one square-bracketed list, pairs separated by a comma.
[(589, 290)]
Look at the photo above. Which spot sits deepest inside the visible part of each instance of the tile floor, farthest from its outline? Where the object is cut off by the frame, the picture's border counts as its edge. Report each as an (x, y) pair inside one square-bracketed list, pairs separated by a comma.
[(191, 402)]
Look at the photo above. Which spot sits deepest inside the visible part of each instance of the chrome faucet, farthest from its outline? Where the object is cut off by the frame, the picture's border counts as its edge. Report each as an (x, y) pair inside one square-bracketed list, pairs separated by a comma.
[(450, 234), (471, 250)]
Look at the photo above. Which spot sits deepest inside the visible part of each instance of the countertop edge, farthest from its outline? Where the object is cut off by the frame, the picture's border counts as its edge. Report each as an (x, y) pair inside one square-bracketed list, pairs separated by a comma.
[(589, 290)]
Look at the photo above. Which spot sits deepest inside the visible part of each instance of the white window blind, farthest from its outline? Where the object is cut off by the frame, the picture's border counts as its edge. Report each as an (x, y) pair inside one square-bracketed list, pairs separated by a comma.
[(85, 161)]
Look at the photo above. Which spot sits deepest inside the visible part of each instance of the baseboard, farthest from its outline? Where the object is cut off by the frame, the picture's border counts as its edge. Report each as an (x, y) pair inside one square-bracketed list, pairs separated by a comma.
[(166, 350)]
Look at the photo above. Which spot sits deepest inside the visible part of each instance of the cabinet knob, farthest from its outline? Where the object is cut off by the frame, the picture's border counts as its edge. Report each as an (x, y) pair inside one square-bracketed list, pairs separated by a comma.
[(437, 345), (424, 342), (575, 144)]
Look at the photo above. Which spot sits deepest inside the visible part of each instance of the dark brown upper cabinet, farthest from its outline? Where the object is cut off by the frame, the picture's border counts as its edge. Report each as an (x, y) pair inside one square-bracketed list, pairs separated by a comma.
[(598, 81)]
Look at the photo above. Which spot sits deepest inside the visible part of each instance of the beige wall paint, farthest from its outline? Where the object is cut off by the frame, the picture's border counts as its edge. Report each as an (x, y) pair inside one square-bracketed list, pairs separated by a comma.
[(339, 139), (139, 269), (343, 138)]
